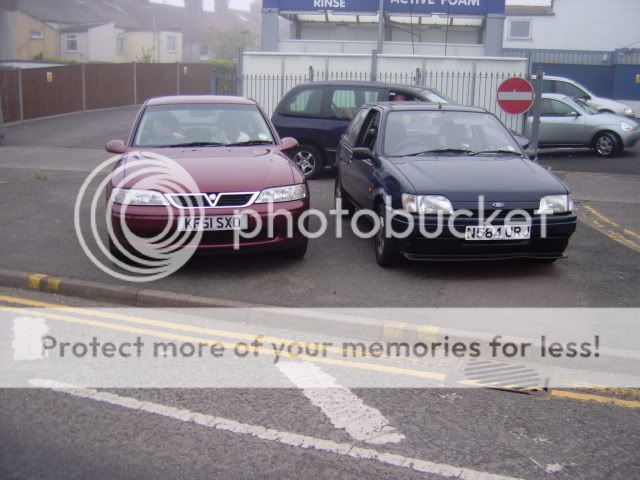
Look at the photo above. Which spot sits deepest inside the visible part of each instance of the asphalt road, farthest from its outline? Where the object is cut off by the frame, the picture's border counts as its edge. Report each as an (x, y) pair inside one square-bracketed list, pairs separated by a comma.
[(83, 434)]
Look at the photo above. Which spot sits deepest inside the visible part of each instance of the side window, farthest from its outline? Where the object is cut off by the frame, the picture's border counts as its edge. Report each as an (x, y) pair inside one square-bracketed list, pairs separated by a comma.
[(305, 103), (548, 86), (369, 132), (355, 126), (345, 102), (569, 89), (401, 97), (555, 108)]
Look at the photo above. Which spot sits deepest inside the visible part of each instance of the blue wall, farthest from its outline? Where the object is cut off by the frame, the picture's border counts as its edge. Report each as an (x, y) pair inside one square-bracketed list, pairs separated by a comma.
[(610, 81)]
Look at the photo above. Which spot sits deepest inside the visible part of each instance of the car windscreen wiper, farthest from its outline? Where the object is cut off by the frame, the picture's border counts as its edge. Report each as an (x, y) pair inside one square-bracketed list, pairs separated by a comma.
[(195, 144), (454, 151), (498, 152), (249, 143)]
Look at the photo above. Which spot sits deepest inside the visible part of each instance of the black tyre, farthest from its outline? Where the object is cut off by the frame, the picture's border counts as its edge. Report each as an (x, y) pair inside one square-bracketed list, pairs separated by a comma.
[(607, 144), (296, 253), (338, 194), (387, 253), (309, 160)]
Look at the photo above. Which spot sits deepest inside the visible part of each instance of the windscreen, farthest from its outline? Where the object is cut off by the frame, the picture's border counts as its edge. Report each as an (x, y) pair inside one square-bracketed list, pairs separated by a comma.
[(202, 124)]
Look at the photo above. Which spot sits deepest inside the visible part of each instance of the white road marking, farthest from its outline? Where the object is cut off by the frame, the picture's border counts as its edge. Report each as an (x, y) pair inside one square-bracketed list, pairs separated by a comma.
[(27, 338), (283, 437), (344, 409), (515, 96)]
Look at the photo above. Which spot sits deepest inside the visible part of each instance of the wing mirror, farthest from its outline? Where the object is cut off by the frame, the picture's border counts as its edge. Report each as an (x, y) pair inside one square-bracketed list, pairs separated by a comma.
[(361, 153), (116, 146), (288, 143), (523, 141)]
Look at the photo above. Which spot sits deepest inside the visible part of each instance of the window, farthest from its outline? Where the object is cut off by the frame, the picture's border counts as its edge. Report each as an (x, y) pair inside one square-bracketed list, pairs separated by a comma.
[(71, 43), (354, 128), (120, 44), (555, 108), (36, 35), (307, 102), (569, 89), (345, 102), (204, 52), (172, 41), (520, 30)]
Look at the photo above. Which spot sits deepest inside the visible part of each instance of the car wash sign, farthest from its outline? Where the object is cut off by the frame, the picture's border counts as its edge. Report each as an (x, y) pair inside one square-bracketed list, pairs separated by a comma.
[(415, 7)]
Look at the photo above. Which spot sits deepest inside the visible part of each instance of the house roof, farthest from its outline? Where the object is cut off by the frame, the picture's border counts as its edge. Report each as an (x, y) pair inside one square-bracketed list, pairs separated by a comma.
[(78, 12)]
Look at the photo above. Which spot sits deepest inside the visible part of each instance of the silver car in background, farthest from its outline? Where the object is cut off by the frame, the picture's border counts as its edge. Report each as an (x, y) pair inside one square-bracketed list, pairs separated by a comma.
[(571, 88), (567, 122)]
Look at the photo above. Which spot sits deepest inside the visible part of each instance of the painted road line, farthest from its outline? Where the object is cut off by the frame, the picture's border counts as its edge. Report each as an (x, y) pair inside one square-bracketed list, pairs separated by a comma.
[(608, 227), (587, 397), (344, 409), (423, 374), (27, 338), (291, 439)]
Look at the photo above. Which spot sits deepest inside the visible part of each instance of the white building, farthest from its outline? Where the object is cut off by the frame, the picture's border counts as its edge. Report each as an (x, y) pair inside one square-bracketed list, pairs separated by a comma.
[(572, 25)]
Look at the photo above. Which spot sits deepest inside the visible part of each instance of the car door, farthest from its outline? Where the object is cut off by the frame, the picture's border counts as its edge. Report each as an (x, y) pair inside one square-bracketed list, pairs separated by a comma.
[(300, 115), (342, 104), (361, 170), (560, 123), (344, 155)]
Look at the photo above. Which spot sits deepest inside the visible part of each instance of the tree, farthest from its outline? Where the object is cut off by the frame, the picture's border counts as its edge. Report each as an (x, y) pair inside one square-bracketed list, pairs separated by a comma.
[(227, 43)]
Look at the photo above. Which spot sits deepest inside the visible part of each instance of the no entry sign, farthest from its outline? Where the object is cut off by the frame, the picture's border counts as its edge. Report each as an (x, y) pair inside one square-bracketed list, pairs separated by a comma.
[(515, 96)]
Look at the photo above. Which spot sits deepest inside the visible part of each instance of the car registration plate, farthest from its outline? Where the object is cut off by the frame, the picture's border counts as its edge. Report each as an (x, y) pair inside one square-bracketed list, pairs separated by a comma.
[(208, 224), (511, 232)]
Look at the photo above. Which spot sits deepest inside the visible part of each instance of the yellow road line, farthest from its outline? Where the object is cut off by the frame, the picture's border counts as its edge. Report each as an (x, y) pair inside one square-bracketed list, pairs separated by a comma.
[(262, 351), (587, 397), (603, 224), (184, 338)]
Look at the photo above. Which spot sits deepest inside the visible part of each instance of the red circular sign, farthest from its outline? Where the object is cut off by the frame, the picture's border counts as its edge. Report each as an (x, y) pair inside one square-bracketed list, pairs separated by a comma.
[(516, 95)]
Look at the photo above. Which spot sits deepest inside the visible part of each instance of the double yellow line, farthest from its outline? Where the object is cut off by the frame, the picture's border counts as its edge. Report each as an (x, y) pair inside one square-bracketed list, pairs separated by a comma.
[(609, 227), (77, 315)]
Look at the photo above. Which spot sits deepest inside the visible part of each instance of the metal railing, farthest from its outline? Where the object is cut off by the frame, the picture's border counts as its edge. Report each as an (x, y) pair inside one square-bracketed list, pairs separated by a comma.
[(463, 87)]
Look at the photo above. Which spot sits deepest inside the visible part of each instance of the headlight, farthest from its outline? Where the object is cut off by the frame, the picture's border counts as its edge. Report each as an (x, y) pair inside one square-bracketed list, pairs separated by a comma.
[(426, 204), (555, 204), (283, 194), (627, 127), (138, 197)]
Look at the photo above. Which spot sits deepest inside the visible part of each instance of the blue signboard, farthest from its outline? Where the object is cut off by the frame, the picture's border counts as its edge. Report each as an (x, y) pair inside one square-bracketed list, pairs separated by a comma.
[(417, 7)]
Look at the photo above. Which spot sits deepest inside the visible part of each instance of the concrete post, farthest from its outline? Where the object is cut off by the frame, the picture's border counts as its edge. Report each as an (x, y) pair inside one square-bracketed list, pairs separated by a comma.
[(84, 88), (270, 30), (20, 97), (494, 35), (135, 84)]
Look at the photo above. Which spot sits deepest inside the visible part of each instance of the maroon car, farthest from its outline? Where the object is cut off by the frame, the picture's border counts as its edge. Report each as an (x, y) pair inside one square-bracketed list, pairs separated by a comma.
[(217, 169)]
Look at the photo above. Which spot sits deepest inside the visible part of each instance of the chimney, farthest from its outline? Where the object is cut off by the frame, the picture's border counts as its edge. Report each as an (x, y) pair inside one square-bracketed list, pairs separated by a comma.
[(222, 5), (193, 5)]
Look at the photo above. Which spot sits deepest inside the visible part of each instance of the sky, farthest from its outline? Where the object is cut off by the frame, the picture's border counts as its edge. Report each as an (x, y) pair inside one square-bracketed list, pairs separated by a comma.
[(244, 4)]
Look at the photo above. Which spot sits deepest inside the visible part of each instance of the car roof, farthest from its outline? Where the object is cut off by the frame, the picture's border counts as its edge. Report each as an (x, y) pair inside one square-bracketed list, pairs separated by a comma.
[(356, 83), (407, 106), (202, 99)]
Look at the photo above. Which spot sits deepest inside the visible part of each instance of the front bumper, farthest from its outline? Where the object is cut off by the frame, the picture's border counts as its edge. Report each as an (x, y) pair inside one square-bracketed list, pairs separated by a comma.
[(448, 247), (147, 222), (630, 139)]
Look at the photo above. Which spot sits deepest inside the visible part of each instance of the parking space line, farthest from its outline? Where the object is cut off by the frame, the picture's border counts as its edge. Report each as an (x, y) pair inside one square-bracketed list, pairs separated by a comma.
[(290, 439), (344, 409)]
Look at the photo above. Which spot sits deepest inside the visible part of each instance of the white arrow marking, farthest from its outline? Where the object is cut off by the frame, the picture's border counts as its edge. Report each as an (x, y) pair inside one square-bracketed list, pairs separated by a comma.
[(27, 338), (344, 409), (270, 434), (518, 96)]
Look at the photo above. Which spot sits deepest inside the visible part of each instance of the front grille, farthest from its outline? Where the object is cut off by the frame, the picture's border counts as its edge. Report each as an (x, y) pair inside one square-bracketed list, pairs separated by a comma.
[(503, 213), (187, 200), (233, 199)]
